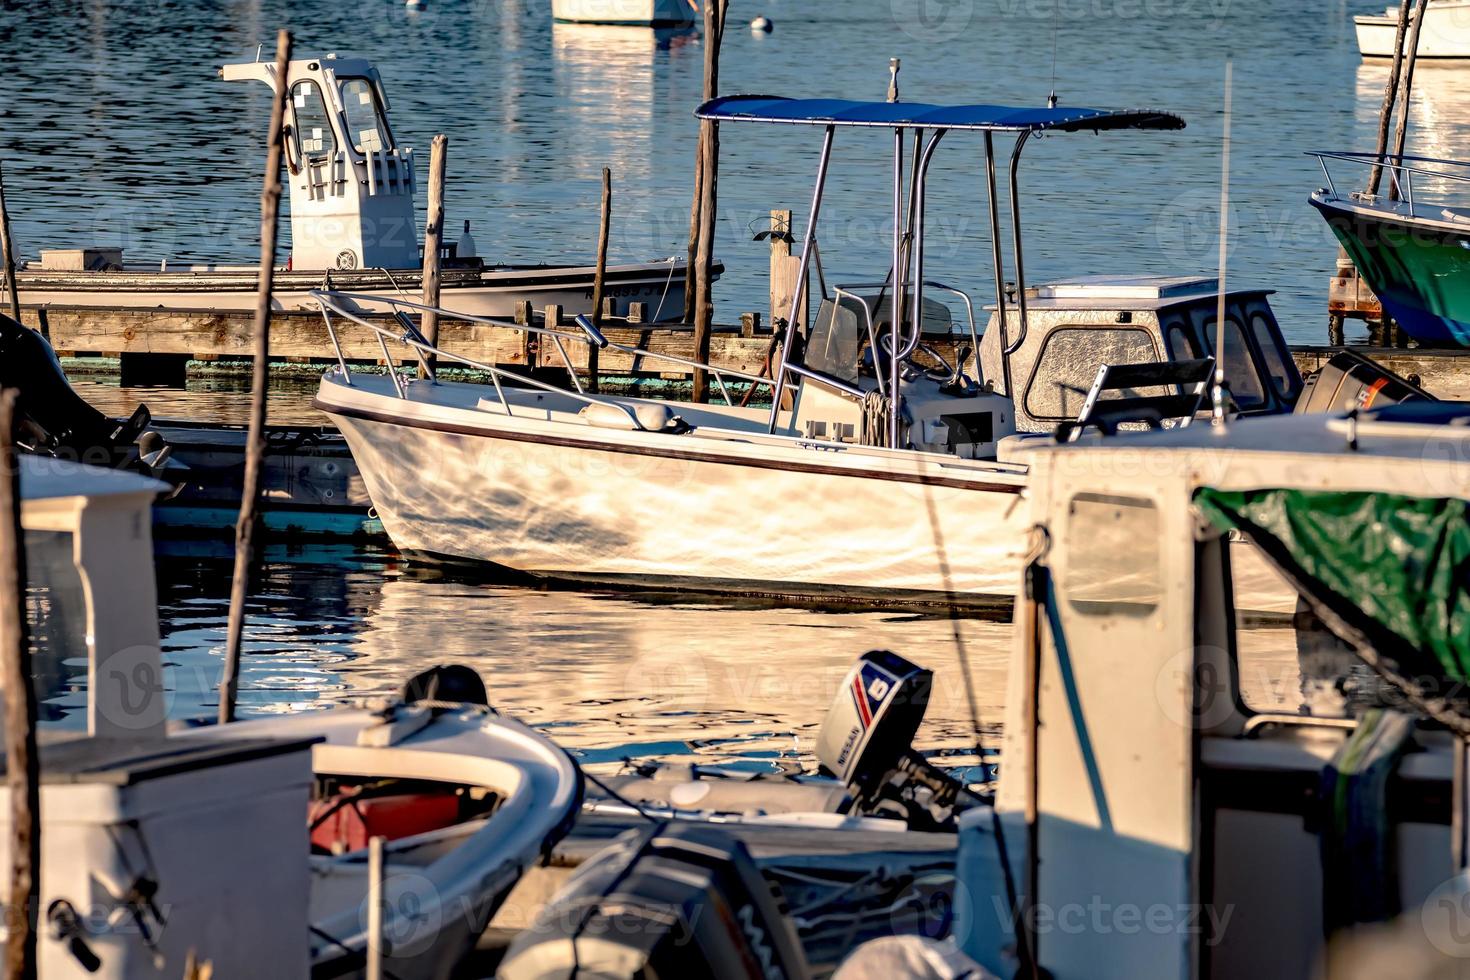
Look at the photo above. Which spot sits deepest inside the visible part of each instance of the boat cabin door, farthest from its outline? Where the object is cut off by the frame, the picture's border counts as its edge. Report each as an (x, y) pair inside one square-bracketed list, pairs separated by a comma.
[(1112, 892)]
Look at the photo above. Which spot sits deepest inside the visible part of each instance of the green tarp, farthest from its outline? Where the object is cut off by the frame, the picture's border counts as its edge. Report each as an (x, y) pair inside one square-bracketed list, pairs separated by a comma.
[(1396, 566)]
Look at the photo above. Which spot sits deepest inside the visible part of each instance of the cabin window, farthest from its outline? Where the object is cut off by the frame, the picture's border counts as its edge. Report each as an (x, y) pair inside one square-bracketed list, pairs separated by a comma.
[(56, 612), (313, 126), (1181, 342), (1112, 560), (1067, 366), (1279, 366), (366, 126), (1241, 376)]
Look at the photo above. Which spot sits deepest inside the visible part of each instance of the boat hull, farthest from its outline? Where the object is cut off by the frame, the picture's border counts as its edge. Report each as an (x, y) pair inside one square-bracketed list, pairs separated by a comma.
[(579, 503), (1445, 34), (1419, 268), (638, 13), (495, 293)]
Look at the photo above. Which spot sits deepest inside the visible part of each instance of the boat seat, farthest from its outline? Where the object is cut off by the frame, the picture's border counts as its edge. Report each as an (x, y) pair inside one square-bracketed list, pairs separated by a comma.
[(647, 418), (1456, 214)]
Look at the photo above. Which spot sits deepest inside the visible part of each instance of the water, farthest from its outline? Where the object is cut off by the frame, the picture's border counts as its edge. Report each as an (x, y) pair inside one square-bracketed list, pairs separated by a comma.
[(611, 676), (114, 130)]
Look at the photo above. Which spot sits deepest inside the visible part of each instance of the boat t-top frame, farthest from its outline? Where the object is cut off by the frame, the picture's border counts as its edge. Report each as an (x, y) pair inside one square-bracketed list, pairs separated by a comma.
[(907, 273)]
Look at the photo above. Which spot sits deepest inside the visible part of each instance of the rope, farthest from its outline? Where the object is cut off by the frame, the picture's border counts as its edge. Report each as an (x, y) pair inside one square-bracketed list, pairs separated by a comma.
[(875, 419)]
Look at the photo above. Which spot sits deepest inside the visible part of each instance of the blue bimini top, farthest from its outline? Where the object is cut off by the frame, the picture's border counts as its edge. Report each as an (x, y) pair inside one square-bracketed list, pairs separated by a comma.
[(895, 115)]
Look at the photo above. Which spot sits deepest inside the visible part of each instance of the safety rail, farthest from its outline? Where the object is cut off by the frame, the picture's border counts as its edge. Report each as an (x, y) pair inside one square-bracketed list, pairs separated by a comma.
[(408, 334), (1396, 165)]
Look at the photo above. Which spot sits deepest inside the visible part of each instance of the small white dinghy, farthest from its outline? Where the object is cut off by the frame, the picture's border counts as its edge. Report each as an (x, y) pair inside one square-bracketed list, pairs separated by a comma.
[(246, 846)]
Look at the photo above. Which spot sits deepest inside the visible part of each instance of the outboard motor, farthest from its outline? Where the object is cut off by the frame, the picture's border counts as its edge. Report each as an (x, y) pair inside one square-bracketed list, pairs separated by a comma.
[(55, 421), (867, 742), (1349, 381), (679, 901)]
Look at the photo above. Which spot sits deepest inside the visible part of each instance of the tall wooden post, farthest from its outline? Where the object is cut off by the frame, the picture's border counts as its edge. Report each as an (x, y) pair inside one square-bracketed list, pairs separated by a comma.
[(603, 231), (433, 241), (689, 283), (22, 767), (248, 523), (1390, 95), (7, 251), (1411, 55), (709, 139)]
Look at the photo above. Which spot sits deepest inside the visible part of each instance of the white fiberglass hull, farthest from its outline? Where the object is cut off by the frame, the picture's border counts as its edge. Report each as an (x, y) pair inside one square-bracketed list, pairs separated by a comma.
[(1445, 34), (658, 285), (544, 493), (643, 13)]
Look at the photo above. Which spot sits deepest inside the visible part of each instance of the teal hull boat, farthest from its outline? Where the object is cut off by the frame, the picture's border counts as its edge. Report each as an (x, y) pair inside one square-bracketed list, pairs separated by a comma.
[(1414, 255)]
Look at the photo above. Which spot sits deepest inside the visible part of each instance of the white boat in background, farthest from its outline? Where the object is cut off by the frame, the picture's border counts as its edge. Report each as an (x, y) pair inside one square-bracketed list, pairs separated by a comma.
[(352, 188), (246, 846), (637, 13), (1445, 34)]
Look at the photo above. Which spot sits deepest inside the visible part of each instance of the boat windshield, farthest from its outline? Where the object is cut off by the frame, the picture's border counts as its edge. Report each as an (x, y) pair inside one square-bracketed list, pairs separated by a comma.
[(313, 127), (366, 125)]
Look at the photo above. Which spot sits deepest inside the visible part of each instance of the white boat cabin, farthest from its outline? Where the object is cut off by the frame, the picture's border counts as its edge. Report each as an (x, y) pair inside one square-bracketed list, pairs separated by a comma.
[(351, 184), (1159, 821), (1072, 326)]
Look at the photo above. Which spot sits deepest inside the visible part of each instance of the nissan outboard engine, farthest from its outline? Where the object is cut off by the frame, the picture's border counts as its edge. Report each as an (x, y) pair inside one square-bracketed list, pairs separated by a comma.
[(676, 901), (866, 741), (55, 421)]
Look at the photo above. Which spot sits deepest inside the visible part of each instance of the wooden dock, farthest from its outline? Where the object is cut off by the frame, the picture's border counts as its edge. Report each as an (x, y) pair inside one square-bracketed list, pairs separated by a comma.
[(302, 337)]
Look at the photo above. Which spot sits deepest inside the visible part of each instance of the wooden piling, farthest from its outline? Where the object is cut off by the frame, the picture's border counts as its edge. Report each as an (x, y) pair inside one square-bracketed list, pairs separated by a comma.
[(1390, 95), (603, 230), (7, 252), (694, 225), (433, 242), (1411, 55), (708, 183), (247, 524), (22, 766)]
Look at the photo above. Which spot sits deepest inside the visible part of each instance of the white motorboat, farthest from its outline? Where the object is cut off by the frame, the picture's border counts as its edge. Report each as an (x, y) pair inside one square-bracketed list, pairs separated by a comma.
[(890, 479), (352, 189), (246, 847), (1150, 819), (1445, 34), (635, 13)]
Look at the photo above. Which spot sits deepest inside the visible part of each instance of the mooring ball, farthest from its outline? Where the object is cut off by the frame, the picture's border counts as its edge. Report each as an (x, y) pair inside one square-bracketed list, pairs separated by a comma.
[(762, 25)]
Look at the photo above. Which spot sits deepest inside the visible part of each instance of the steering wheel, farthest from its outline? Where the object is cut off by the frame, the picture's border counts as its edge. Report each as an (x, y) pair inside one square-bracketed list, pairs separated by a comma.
[(942, 374)]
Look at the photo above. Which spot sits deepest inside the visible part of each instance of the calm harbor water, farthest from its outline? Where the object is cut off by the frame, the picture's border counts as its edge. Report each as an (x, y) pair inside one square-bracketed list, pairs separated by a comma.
[(115, 130)]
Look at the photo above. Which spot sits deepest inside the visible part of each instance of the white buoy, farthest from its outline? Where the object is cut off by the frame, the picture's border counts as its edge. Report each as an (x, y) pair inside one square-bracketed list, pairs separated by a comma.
[(413, 3), (762, 25)]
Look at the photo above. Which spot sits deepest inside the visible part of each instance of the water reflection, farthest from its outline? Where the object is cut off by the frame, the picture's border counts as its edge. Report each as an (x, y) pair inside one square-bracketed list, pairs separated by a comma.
[(616, 676)]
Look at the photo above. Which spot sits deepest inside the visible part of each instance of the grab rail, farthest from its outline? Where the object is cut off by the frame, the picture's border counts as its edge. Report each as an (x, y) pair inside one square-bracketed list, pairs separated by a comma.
[(329, 300), (1386, 161)]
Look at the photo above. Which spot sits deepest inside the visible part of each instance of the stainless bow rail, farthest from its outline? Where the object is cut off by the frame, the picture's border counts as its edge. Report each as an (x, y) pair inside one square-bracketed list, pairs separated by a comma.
[(1401, 173), (406, 332)]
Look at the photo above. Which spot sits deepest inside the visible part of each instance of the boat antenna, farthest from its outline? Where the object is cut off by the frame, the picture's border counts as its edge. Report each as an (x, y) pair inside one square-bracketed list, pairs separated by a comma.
[(1051, 99), (893, 65), (1220, 393)]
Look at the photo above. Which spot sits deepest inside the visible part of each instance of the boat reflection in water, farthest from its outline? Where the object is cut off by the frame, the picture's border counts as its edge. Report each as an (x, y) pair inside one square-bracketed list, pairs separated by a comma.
[(660, 676)]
